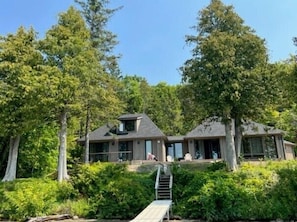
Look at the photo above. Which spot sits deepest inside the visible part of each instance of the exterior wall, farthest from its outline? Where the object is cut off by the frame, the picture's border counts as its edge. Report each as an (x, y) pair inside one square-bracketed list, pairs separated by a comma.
[(289, 152), (280, 147), (138, 150), (157, 149), (113, 150)]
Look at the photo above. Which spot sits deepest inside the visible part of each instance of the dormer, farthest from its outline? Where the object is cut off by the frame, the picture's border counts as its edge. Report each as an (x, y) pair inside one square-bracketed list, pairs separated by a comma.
[(130, 122)]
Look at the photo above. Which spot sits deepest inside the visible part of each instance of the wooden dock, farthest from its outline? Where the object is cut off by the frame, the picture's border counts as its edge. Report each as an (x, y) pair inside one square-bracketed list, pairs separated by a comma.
[(155, 212)]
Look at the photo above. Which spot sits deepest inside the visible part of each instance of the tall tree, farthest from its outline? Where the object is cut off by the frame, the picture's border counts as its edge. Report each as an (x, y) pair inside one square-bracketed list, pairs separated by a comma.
[(67, 48), (101, 104), (19, 103), (193, 113), (225, 71), (97, 14), (136, 93), (165, 109)]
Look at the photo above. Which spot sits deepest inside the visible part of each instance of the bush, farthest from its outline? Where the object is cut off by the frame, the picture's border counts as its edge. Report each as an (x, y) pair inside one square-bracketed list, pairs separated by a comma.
[(89, 179), (123, 198), (260, 192), (27, 198)]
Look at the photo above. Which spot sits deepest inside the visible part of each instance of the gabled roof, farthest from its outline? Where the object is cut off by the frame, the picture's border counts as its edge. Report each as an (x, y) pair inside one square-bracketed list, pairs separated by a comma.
[(212, 127), (147, 129)]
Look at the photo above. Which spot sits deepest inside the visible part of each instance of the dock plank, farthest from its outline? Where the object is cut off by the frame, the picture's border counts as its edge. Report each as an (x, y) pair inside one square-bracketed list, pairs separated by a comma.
[(155, 212)]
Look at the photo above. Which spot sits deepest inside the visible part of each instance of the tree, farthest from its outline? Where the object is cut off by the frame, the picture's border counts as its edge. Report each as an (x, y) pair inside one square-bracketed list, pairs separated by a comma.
[(19, 100), (193, 113), (227, 70), (38, 152), (101, 104), (165, 109), (136, 93), (68, 50), (97, 15)]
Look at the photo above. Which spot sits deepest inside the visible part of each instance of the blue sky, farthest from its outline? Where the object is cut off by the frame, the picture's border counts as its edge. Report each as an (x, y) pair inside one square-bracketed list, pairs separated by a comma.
[(151, 33)]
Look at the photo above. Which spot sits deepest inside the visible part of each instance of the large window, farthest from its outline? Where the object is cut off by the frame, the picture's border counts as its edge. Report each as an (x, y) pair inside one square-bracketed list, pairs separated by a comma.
[(252, 147), (207, 149), (148, 149), (125, 150), (270, 147), (99, 152), (175, 150)]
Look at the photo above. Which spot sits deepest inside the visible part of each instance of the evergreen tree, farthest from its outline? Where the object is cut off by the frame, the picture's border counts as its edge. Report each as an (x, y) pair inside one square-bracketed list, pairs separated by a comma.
[(68, 50), (227, 71), (97, 15), (20, 77)]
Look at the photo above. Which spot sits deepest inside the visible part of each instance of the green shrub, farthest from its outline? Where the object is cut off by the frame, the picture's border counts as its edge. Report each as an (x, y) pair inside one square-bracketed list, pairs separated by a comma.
[(264, 192), (214, 197), (89, 179), (123, 198), (27, 198), (220, 165)]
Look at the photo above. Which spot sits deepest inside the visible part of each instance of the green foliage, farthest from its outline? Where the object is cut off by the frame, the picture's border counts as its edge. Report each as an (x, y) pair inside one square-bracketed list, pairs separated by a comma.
[(220, 165), (260, 191), (27, 198), (38, 152), (89, 179), (122, 198), (97, 15), (19, 76), (264, 191), (112, 191), (136, 93), (165, 109), (80, 208)]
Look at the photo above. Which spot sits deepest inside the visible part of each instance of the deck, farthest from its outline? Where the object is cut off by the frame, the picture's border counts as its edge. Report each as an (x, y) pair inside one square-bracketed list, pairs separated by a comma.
[(155, 212)]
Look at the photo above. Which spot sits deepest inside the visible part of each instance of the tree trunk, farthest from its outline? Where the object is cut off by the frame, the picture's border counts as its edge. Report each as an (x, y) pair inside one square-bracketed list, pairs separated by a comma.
[(238, 136), (10, 173), (230, 147), (62, 164), (87, 139)]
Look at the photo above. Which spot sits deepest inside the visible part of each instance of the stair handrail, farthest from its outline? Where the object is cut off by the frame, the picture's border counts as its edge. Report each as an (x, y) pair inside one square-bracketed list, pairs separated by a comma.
[(170, 185), (166, 171), (157, 180)]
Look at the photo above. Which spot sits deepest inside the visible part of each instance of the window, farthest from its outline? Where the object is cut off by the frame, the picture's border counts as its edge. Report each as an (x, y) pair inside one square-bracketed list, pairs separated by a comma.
[(175, 150), (148, 148), (211, 149), (99, 152), (270, 147), (252, 147), (130, 125), (125, 150)]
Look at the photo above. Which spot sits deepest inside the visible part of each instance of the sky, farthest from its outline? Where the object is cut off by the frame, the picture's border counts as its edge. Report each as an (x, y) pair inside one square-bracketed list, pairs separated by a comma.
[(151, 33)]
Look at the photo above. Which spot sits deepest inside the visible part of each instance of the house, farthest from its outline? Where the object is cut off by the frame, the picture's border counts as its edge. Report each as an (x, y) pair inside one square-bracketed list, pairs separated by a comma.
[(136, 138), (207, 141)]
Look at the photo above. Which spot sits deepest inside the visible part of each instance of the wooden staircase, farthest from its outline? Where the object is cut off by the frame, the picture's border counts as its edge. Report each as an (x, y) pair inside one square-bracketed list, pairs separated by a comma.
[(163, 186)]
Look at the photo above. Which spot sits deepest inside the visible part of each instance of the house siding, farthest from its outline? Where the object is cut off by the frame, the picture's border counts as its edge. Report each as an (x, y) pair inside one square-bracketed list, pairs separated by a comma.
[(208, 137), (280, 147)]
